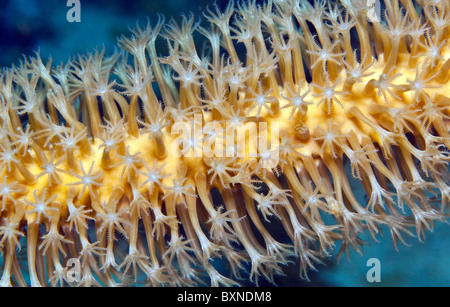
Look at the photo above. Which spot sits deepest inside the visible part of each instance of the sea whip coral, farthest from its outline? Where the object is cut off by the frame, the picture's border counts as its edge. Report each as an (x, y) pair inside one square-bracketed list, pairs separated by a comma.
[(93, 169)]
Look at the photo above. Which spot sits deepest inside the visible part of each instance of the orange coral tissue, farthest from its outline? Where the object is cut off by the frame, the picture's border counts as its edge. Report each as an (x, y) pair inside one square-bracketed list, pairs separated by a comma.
[(145, 167)]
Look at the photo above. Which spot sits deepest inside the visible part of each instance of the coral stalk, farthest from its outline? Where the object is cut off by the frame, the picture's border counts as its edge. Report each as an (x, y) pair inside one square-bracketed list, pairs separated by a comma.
[(147, 166)]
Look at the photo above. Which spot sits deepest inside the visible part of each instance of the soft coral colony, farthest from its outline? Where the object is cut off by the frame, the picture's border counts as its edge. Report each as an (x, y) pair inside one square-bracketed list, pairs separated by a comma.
[(89, 172)]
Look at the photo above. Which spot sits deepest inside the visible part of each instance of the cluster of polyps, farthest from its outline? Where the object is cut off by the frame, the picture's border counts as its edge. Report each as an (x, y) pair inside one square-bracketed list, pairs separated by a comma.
[(86, 151)]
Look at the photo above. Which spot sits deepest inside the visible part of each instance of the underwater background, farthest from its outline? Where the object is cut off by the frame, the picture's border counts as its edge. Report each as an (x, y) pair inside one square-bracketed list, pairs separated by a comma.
[(27, 26)]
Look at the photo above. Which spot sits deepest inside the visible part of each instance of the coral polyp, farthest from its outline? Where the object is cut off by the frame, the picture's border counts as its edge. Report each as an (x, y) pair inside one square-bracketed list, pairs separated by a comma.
[(146, 166)]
